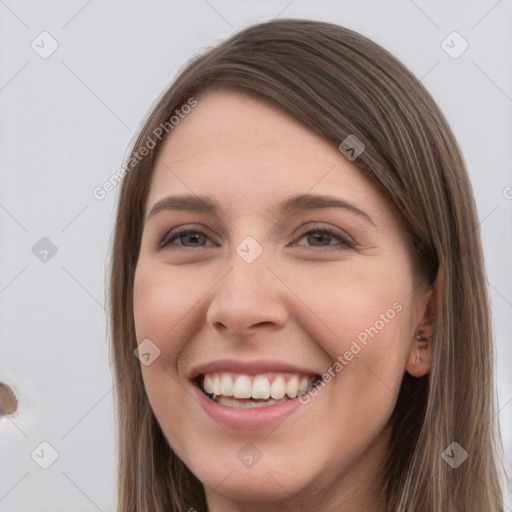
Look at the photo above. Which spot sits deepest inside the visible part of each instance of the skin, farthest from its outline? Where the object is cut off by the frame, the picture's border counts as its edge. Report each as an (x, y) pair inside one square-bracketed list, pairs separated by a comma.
[(302, 301)]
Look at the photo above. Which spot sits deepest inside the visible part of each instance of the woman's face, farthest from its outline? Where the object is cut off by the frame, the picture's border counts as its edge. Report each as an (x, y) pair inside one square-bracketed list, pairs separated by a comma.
[(257, 302)]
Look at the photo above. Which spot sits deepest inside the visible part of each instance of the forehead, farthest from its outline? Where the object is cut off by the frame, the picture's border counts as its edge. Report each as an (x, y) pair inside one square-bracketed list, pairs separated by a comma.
[(246, 153)]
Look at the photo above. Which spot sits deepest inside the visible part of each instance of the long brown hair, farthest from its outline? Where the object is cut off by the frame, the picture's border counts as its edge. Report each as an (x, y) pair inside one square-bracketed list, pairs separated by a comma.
[(338, 83)]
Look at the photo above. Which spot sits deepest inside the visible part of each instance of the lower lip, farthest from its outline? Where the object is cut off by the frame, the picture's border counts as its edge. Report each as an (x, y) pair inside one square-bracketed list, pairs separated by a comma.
[(256, 418)]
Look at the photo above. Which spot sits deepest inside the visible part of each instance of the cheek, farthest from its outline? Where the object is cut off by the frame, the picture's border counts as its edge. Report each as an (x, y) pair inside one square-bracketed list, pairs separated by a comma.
[(367, 311), (160, 302), (160, 305), (168, 311), (357, 296)]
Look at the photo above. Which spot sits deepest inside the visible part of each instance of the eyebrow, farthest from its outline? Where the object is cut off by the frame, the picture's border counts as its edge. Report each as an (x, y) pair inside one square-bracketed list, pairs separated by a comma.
[(290, 206)]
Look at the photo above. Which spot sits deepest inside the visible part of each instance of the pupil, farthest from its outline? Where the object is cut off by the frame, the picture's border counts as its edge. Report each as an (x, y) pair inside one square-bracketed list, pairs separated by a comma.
[(319, 237), (194, 237)]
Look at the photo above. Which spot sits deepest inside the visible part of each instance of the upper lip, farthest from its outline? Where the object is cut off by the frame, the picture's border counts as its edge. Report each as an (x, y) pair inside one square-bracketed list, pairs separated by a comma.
[(247, 367)]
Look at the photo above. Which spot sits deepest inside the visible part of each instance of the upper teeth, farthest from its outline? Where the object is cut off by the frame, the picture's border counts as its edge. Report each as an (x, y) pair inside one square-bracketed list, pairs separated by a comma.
[(263, 386)]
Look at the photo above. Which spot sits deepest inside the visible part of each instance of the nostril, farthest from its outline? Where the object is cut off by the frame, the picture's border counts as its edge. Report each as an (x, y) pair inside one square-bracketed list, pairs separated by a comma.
[(8, 400)]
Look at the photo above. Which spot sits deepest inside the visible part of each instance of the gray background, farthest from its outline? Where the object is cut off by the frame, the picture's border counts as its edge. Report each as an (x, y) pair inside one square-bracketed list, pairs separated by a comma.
[(66, 123)]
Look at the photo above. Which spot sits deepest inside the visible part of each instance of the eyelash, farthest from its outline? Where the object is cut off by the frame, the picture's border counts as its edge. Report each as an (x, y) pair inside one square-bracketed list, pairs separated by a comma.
[(179, 232)]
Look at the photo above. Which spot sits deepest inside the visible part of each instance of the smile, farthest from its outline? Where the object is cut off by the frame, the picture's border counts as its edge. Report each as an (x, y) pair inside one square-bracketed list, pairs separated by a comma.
[(248, 391)]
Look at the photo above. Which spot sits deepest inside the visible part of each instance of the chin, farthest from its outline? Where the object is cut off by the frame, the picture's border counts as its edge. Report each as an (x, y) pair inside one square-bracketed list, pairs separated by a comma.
[(254, 485)]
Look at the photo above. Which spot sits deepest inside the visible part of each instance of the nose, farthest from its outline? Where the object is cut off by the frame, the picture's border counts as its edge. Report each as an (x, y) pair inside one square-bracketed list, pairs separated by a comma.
[(248, 298)]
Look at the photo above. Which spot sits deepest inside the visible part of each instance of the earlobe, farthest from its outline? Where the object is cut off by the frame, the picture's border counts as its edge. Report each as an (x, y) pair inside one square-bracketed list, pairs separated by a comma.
[(419, 360)]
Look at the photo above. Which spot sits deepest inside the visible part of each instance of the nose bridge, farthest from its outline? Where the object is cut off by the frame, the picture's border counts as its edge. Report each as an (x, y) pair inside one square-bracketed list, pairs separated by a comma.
[(248, 294), (249, 273)]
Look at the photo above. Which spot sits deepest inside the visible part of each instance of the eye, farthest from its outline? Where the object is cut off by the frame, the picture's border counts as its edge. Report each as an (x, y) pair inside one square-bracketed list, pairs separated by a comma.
[(196, 237), (322, 237), (187, 236)]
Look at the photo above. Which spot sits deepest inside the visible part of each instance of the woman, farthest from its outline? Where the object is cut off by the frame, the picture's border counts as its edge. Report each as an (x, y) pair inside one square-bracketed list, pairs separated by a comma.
[(297, 266)]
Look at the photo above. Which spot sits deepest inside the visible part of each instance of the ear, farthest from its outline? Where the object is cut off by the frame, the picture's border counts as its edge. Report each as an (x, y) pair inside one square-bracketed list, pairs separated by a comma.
[(419, 360)]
